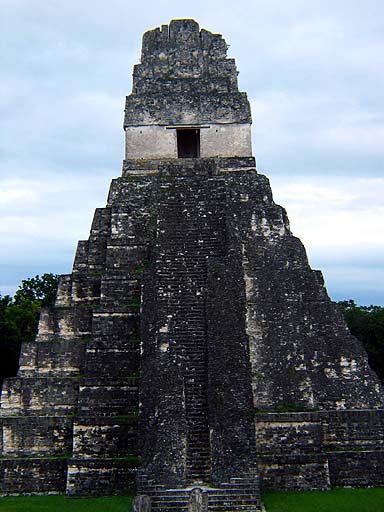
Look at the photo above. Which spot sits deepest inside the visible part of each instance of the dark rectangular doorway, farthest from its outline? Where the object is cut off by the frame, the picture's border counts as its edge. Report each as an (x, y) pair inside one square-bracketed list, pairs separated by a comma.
[(188, 143)]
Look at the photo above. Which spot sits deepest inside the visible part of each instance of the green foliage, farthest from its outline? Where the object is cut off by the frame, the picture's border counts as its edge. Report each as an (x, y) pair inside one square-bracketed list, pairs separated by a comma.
[(41, 289), (293, 407), (142, 267), (65, 504), (367, 324), (18, 323), (135, 303), (336, 500), (19, 318), (216, 269)]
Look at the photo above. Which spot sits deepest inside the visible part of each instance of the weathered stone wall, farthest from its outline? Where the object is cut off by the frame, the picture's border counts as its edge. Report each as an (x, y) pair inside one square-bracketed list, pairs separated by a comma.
[(101, 476), (225, 282), (191, 220), (226, 140), (301, 352), (33, 475), (150, 142), (356, 469), (216, 140), (36, 436), (229, 371), (186, 79), (293, 452), (75, 400), (321, 449)]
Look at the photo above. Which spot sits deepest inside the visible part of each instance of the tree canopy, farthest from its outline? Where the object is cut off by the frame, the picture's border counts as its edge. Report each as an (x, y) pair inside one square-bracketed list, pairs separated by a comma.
[(41, 290), (367, 324), (19, 318)]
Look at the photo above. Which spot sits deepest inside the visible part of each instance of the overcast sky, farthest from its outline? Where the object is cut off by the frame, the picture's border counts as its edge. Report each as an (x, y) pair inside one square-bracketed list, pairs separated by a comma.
[(314, 74)]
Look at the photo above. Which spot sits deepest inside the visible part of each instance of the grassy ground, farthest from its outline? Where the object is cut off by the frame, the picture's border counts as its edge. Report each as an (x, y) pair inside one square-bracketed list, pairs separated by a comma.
[(337, 500), (64, 504)]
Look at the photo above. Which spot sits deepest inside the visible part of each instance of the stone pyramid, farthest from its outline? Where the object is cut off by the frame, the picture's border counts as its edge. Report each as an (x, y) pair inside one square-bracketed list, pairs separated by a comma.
[(192, 349)]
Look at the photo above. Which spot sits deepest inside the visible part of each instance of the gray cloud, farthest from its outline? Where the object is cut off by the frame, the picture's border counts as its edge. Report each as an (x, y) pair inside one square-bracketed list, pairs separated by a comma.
[(314, 74)]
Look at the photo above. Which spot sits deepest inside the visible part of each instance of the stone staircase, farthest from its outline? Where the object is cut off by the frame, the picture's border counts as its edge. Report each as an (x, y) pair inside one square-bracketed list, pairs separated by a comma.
[(239, 494), (189, 234), (191, 230)]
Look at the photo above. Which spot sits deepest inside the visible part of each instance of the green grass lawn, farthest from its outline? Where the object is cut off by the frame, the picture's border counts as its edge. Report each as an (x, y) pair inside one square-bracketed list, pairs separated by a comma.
[(337, 500), (64, 504)]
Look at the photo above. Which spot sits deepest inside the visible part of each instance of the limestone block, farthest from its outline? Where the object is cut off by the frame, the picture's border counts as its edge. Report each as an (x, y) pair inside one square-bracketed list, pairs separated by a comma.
[(86, 288), (357, 468), (294, 472), (113, 476), (117, 290), (39, 396), (356, 429), (105, 437), (57, 358), (64, 291), (126, 258), (81, 257), (288, 436), (108, 397), (39, 436), (33, 476)]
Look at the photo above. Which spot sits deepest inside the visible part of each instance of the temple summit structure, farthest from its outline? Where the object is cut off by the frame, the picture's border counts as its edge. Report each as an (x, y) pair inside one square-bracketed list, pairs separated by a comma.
[(192, 353)]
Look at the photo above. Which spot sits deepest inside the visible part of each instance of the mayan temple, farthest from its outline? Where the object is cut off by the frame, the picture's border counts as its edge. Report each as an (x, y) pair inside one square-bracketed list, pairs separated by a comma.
[(192, 354)]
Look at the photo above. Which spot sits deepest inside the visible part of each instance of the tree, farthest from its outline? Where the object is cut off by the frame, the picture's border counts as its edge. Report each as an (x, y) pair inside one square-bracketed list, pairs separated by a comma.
[(367, 324), (18, 323), (41, 289), (19, 318)]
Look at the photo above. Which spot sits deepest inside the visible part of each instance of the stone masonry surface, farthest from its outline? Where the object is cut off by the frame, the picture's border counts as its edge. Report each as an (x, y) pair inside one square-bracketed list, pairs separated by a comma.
[(192, 346)]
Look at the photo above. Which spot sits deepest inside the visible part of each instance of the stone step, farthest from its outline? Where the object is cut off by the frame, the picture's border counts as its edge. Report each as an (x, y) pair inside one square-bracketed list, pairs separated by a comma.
[(251, 505), (196, 466), (166, 500), (239, 486), (212, 492), (254, 505), (197, 445), (198, 475), (238, 493)]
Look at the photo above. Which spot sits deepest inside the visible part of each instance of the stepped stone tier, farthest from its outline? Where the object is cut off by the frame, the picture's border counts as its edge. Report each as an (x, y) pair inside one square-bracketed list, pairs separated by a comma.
[(192, 346)]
